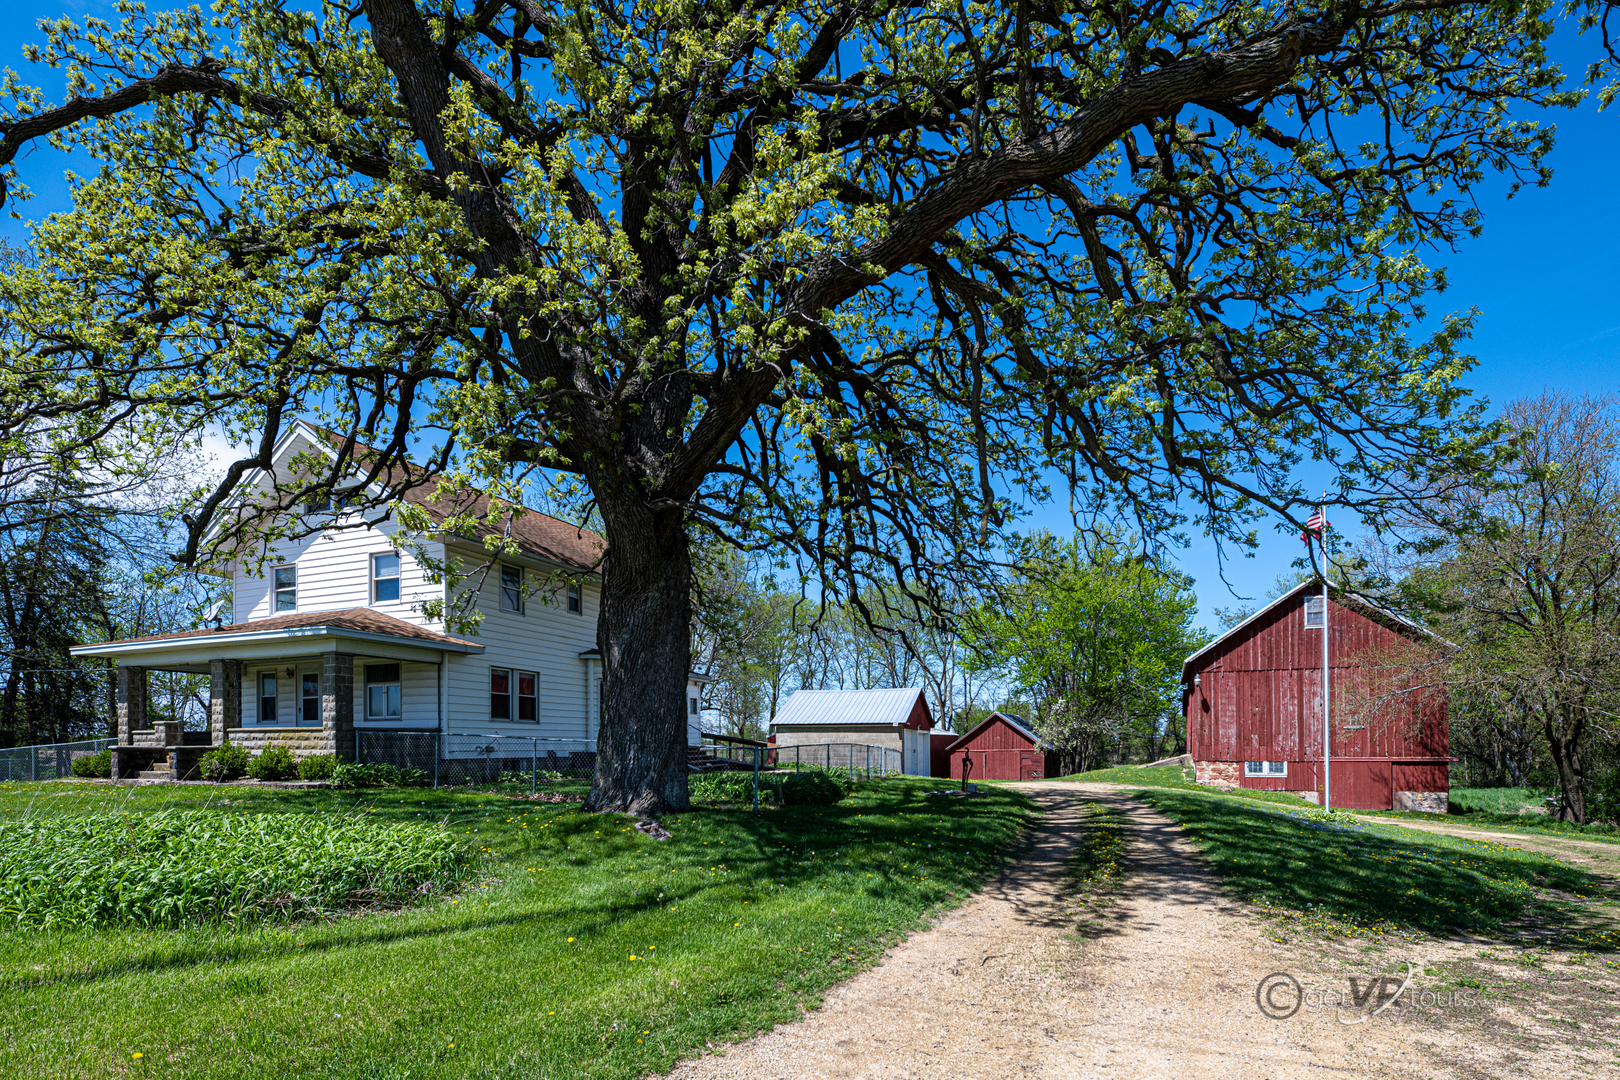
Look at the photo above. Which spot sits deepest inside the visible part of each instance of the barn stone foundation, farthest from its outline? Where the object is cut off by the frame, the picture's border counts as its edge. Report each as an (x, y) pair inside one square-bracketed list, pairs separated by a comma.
[(1218, 773), (1422, 802)]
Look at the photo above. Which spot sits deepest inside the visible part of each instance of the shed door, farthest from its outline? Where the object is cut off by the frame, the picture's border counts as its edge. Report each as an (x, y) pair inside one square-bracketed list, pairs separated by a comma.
[(1029, 766)]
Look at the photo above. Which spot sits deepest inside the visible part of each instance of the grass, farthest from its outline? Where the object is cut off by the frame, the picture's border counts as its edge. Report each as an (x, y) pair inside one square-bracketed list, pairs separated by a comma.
[(1496, 800), (588, 950), (1097, 861), (1362, 877), (1176, 777)]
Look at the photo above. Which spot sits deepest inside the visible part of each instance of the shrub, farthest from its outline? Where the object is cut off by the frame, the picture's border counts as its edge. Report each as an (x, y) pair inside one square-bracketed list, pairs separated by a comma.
[(317, 767), (204, 866), (814, 787), (226, 763), (731, 787), (346, 774), (94, 765), (273, 763)]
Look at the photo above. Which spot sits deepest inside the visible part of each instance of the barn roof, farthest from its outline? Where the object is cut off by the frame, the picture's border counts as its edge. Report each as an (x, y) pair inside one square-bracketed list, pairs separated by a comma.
[(1377, 611), (1014, 722), (858, 707)]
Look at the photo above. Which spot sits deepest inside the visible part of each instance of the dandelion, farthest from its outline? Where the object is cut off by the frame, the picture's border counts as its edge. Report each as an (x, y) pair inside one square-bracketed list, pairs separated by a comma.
[(137, 1054)]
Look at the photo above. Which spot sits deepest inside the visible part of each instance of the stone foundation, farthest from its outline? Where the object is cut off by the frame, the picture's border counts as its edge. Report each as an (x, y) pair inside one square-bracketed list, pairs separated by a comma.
[(1218, 773), (303, 742), (1422, 802)]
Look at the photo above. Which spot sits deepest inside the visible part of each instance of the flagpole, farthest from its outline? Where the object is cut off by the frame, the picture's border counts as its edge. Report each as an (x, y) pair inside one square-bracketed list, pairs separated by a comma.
[(1327, 730)]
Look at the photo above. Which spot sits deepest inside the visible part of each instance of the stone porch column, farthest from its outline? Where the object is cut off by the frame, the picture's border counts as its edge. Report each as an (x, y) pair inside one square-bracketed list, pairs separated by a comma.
[(337, 703), (224, 698), (131, 702)]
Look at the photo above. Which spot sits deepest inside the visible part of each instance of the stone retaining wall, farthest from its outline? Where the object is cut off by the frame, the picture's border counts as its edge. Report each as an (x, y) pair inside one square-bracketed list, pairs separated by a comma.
[(303, 742)]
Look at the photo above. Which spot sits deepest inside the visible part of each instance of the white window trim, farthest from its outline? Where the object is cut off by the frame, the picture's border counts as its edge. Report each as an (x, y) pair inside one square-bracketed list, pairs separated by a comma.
[(366, 695), (576, 595), (258, 680), (275, 592), (517, 696), (394, 577), (1264, 770), (1309, 625)]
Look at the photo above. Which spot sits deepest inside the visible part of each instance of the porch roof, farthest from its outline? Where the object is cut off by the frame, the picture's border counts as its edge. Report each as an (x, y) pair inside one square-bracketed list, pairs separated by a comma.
[(313, 631)]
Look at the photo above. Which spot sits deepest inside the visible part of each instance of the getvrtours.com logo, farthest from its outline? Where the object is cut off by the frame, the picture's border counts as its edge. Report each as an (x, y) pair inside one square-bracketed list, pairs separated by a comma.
[(1281, 995)]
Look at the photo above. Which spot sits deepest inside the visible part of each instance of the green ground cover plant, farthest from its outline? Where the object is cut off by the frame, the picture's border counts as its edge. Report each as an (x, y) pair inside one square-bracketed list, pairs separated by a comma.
[(587, 949), (201, 866), (1362, 876), (346, 774)]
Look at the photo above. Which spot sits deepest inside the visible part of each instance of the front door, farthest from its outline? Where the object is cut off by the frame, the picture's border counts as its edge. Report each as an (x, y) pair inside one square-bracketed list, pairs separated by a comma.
[(309, 699)]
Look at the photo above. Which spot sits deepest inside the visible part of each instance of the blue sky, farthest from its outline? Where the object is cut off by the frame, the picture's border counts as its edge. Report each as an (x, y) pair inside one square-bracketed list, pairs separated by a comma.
[(1543, 277)]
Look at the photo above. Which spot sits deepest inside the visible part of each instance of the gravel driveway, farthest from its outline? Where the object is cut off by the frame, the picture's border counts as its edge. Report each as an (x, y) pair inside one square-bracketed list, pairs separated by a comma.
[(1158, 983)]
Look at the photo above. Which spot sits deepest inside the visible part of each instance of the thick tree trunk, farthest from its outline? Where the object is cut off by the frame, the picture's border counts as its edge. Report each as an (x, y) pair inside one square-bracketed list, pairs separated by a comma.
[(644, 635)]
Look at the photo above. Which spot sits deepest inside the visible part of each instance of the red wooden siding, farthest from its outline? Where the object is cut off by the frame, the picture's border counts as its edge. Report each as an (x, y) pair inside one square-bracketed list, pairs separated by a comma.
[(1259, 698), (998, 751)]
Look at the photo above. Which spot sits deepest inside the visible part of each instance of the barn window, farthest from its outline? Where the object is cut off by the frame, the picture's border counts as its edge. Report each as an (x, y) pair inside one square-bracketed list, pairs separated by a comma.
[(1313, 611), (1265, 768)]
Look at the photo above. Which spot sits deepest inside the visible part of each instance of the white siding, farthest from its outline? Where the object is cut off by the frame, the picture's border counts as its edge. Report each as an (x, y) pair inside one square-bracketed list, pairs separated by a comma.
[(419, 692), (547, 639), (334, 573)]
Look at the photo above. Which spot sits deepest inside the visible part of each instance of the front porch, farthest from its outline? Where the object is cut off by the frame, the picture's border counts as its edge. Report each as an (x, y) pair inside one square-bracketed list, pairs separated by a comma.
[(352, 670)]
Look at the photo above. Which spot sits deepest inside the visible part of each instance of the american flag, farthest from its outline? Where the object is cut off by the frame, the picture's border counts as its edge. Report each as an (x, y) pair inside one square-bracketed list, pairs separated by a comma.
[(1318, 520)]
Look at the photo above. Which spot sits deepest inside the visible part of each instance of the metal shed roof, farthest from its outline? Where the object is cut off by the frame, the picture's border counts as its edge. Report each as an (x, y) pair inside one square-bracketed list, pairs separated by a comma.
[(876, 707)]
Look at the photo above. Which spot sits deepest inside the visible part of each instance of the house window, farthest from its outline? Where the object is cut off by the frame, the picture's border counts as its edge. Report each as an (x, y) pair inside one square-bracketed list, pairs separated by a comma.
[(527, 681), (385, 577), (512, 589), (1313, 611), (575, 600), (309, 701), (286, 582), (1271, 769), (267, 699), (382, 692), (691, 706), (500, 693)]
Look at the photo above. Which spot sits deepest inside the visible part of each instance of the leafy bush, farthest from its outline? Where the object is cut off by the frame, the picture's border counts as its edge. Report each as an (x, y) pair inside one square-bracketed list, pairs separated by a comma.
[(203, 866), (729, 787), (94, 765), (317, 767), (814, 787), (228, 762), (346, 774), (273, 763)]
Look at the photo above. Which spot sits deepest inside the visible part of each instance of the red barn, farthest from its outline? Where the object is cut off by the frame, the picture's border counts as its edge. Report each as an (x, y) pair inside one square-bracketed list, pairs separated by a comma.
[(1002, 748), (1254, 705)]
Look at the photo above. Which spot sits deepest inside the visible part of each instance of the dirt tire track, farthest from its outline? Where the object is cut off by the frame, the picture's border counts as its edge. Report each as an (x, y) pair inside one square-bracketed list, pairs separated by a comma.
[(1161, 984)]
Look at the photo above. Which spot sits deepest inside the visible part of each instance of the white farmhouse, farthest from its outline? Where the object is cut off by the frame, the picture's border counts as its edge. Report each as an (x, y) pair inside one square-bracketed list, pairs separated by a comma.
[(329, 641)]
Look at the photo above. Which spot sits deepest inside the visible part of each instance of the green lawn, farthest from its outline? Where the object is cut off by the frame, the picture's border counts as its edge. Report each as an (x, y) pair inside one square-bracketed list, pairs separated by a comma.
[(1363, 876), (1178, 778), (585, 950)]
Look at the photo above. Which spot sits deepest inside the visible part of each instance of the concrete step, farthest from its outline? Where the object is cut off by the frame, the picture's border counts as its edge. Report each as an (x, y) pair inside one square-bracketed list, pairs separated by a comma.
[(154, 774)]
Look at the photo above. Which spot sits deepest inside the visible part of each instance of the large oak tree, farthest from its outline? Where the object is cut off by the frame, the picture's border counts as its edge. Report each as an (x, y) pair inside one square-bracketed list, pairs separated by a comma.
[(850, 281)]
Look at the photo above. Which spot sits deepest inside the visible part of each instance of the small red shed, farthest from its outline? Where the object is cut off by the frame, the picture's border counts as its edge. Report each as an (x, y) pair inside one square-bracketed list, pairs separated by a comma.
[(1002, 747), (1254, 706)]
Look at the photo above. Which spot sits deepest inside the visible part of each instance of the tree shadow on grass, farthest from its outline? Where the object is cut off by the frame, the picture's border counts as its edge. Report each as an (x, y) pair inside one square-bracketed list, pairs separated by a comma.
[(1374, 874)]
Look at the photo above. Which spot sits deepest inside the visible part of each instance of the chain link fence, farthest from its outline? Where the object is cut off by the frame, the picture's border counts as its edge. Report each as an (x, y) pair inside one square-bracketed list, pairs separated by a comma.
[(860, 758), (457, 760), (47, 761)]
